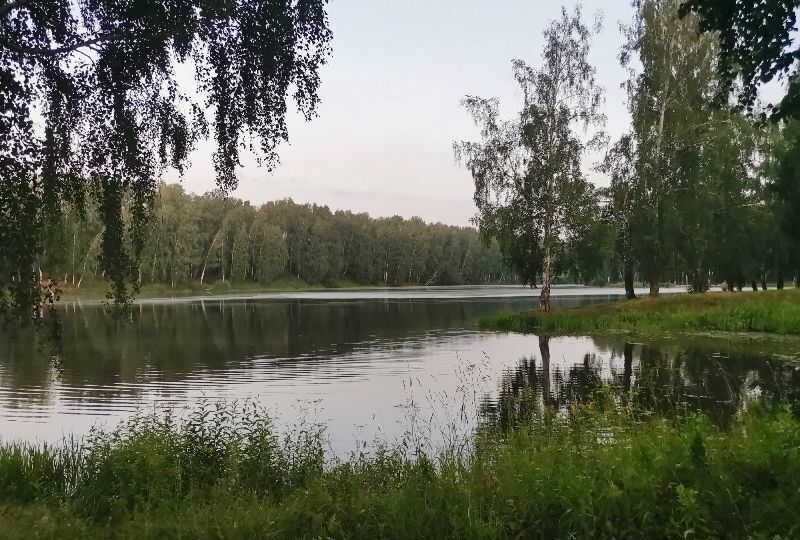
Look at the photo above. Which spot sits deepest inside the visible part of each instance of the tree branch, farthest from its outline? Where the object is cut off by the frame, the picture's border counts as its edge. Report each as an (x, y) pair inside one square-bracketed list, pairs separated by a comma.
[(45, 51)]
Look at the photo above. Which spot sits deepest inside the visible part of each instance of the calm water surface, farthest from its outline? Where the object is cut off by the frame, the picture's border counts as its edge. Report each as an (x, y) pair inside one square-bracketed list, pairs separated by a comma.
[(362, 362)]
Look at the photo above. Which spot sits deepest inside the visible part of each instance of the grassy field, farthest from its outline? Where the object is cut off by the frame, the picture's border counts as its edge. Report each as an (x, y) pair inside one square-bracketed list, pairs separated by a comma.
[(775, 312), (596, 474)]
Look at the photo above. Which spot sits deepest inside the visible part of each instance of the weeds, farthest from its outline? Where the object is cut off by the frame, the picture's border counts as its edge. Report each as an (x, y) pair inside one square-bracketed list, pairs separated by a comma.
[(597, 471)]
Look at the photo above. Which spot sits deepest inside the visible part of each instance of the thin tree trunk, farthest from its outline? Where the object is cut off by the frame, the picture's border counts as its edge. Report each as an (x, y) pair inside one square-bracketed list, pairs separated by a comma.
[(74, 239), (544, 296), (627, 271), (655, 285), (654, 282), (214, 242)]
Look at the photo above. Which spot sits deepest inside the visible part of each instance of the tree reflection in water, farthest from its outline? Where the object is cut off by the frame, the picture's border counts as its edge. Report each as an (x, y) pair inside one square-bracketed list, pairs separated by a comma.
[(651, 378)]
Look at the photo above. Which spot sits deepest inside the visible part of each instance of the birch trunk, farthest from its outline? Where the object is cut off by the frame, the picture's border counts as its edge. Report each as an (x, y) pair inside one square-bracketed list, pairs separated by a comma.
[(544, 296)]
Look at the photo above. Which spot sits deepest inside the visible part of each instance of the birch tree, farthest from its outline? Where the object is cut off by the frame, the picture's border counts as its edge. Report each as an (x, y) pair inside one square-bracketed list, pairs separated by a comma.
[(527, 171), (670, 91), (91, 106)]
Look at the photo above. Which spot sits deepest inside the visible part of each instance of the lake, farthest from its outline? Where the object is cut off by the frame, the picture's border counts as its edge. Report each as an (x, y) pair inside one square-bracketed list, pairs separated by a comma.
[(366, 363)]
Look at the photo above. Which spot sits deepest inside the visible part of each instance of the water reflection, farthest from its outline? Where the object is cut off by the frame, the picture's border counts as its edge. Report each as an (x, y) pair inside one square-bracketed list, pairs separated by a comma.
[(351, 358), (662, 379), (172, 341)]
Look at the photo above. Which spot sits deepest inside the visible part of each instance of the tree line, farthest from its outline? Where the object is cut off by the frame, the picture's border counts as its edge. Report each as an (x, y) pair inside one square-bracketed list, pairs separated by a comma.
[(701, 190), (206, 239)]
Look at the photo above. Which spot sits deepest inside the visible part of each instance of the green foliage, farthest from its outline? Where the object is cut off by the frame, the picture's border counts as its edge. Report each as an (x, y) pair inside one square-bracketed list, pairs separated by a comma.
[(591, 473), (785, 184), (214, 242), (689, 193), (776, 312), (529, 187), (152, 461), (90, 107), (756, 45), (587, 255), (699, 195), (669, 100)]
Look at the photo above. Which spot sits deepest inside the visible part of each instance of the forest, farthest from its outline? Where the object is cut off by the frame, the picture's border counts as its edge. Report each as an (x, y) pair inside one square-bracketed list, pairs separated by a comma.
[(208, 239)]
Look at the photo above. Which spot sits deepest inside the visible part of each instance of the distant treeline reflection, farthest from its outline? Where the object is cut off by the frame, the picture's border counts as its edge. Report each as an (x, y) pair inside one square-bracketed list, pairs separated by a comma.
[(170, 341)]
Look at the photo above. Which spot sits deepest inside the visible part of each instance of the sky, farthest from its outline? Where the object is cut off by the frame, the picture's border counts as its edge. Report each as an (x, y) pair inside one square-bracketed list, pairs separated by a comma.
[(390, 104)]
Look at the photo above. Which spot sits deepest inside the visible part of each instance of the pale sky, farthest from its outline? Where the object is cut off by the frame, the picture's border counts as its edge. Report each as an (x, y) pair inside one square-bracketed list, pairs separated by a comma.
[(390, 104)]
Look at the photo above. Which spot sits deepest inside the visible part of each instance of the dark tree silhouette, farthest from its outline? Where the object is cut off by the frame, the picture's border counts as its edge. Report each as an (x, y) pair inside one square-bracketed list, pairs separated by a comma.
[(756, 44)]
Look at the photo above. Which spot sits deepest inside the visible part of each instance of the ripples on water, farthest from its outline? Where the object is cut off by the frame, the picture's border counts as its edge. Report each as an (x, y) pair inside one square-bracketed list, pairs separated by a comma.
[(359, 359)]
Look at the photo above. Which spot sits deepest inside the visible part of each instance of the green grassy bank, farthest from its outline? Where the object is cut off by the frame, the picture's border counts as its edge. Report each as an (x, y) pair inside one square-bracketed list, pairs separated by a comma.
[(770, 311), (596, 473)]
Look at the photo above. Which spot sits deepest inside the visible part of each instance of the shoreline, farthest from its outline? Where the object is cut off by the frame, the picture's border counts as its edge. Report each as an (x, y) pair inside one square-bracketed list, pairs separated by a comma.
[(93, 294)]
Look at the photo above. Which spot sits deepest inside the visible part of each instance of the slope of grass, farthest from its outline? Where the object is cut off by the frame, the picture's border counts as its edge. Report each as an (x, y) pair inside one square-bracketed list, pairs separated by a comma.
[(772, 311), (597, 473)]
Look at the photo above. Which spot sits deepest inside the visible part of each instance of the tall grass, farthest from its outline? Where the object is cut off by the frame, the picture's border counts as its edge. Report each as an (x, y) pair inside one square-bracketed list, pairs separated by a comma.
[(596, 472), (773, 311)]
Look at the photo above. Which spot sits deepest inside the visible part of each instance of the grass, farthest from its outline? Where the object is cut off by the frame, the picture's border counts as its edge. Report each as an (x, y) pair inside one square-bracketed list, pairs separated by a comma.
[(775, 312), (598, 472)]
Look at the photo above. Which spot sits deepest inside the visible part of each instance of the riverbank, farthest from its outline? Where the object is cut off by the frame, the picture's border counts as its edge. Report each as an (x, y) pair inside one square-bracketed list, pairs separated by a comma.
[(775, 312), (598, 472), (96, 290)]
